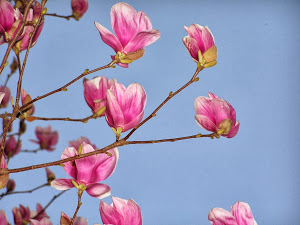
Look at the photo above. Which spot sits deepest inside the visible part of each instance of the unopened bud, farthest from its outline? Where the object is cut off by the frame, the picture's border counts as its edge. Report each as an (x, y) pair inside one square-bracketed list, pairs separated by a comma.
[(64, 219), (50, 175), (225, 127), (3, 179), (10, 186)]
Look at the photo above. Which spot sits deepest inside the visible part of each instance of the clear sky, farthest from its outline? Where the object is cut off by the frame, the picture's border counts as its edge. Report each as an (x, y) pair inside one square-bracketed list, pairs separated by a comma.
[(177, 183)]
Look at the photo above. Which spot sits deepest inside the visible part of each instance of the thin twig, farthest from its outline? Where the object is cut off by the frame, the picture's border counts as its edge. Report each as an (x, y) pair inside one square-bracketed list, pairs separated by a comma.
[(83, 120), (31, 151), (59, 16), (22, 192), (79, 203)]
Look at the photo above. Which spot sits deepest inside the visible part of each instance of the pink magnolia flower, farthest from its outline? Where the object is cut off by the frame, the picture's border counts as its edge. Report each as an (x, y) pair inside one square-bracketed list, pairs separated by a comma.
[(133, 31), (12, 147), (87, 172), (216, 115), (25, 98), (79, 7), (33, 14), (95, 92), (75, 144), (3, 219), (121, 212), (47, 138), (5, 97), (10, 19), (20, 214), (240, 215), (125, 107), (200, 44), (44, 221), (65, 220)]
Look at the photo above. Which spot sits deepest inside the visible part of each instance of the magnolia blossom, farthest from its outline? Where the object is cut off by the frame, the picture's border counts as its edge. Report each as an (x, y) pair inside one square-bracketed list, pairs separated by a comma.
[(5, 94), (12, 147), (75, 144), (10, 20), (95, 92), (125, 107), (65, 220), (47, 138), (216, 115), (23, 213), (200, 44), (121, 212), (3, 219), (79, 7), (88, 171), (41, 216), (133, 32), (240, 215), (33, 15)]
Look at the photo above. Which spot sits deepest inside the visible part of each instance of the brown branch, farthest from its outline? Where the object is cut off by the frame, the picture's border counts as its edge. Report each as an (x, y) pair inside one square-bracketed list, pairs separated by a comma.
[(63, 88), (11, 44), (49, 203), (31, 151), (79, 203), (59, 16), (119, 143), (22, 192), (83, 120), (171, 95)]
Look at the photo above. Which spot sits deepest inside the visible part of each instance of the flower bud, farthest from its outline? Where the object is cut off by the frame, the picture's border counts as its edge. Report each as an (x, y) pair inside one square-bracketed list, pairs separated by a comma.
[(12, 147), (50, 175), (79, 7), (25, 97), (47, 139), (10, 186)]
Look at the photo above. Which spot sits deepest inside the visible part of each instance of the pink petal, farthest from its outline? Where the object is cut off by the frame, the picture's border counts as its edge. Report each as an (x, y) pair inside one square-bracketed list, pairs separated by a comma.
[(220, 109), (1, 96), (105, 165), (233, 130), (242, 212), (206, 123), (109, 214), (202, 107), (114, 115), (3, 219), (69, 167), (86, 165), (99, 191), (141, 40), (124, 22), (192, 47), (134, 102), (44, 221), (211, 95), (133, 123), (118, 90), (144, 21), (219, 216), (62, 184), (80, 221), (6, 16), (134, 214), (207, 38), (108, 38), (91, 92)]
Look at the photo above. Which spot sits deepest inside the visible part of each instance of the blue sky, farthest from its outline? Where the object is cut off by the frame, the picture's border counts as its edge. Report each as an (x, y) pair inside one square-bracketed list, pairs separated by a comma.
[(177, 183)]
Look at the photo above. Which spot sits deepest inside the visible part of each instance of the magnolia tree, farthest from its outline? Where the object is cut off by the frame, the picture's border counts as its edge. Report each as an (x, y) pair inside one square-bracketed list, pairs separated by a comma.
[(21, 22)]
